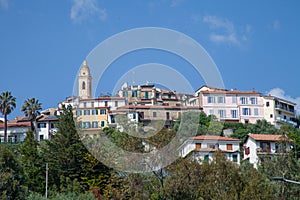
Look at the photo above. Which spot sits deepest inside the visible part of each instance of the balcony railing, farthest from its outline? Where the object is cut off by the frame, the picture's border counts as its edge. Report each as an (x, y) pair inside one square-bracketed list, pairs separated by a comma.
[(286, 121), (285, 108)]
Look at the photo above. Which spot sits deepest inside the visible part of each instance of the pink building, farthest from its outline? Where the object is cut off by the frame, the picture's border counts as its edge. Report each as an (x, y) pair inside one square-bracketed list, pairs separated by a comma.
[(231, 105)]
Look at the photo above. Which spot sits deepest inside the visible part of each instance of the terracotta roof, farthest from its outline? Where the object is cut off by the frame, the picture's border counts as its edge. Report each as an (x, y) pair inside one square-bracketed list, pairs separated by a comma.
[(267, 137), (214, 137), (104, 98), (16, 124), (158, 107), (229, 92)]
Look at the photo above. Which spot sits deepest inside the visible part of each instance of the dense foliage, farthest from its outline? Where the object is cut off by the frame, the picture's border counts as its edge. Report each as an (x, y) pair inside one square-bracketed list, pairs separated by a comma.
[(74, 173)]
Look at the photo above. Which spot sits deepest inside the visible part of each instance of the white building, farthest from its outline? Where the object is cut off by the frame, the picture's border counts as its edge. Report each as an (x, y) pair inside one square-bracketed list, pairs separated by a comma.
[(16, 130), (203, 147), (279, 111), (259, 146)]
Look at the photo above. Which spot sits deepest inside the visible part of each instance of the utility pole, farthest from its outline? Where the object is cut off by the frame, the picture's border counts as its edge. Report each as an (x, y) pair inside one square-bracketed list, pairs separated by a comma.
[(46, 180)]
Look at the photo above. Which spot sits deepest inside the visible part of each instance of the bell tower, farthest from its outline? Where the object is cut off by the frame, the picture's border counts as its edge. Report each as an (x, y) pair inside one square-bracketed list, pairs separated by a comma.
[(84, 82)]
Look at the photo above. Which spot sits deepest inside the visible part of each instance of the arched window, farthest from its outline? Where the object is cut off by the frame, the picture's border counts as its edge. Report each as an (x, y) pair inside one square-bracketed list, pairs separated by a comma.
[(83, 85)]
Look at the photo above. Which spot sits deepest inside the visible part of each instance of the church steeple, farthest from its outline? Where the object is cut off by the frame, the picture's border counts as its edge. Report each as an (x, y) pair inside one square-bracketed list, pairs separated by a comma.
[(84, 81)]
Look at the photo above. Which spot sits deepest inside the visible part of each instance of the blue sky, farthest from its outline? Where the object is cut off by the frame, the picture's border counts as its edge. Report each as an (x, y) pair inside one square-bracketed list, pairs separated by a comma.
[(255, 44)]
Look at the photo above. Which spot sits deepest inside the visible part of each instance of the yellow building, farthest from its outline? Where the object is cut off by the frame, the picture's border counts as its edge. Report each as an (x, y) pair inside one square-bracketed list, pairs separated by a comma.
[(92, 114)]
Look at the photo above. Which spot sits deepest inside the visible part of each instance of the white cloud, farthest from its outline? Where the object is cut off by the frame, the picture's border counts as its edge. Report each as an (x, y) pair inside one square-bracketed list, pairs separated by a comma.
[(4, 4), (224, 31), (84, 9), (280, 93)]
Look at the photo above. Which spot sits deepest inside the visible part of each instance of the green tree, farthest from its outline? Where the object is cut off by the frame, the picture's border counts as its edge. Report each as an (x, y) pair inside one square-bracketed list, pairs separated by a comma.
[(65, 153), (12, 181), (7, 105), (262, 127), (31, 108), (33, 164)]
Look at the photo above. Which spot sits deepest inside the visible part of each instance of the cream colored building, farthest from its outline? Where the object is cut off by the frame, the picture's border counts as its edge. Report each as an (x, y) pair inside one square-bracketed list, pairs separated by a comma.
[(279, 111), (92, 114)]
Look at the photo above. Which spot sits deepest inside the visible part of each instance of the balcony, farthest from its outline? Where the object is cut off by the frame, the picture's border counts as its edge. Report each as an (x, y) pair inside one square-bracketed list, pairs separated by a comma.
[(280, 119), (285, 108)]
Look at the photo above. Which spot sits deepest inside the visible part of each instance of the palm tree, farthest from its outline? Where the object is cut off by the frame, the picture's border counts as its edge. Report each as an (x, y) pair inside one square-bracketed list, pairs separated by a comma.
[(31, 108), (7, 105)]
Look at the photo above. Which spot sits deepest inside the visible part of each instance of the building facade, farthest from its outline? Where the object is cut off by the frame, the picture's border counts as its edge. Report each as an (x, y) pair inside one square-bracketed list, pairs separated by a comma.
[(278, 111), (16, 130), (230, 105), (264, 146), (203, 147)]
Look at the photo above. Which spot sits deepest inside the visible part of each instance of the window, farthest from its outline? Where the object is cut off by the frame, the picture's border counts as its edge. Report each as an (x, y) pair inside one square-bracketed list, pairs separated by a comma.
[(154, 114), (78, 112), (102, 111), (206, 157), (233, 99), (244, 100), (221, 99), (125, 93), (157, 95), (116, 103), (256, 111), (233, 113), (198, 146), (213, 146), (222, 113), (141, 115), (86, 125), (211, 99), (279, 112), (83, 85), (41, 137), (211, 111), (105, 103), (102, 123), (267, 104), (41, 125), (86, 112), (94, 124), (179, 114), (168, 115), (95, 112), (234, 158), (253, 100), (169, 96), (198, 94), (265, 146), (146, 95), (92, 104), (133, 116), (247, 151), (271, 115), (229, 147), (112, 118), (246, 111), (53, 125), (134, 93)]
